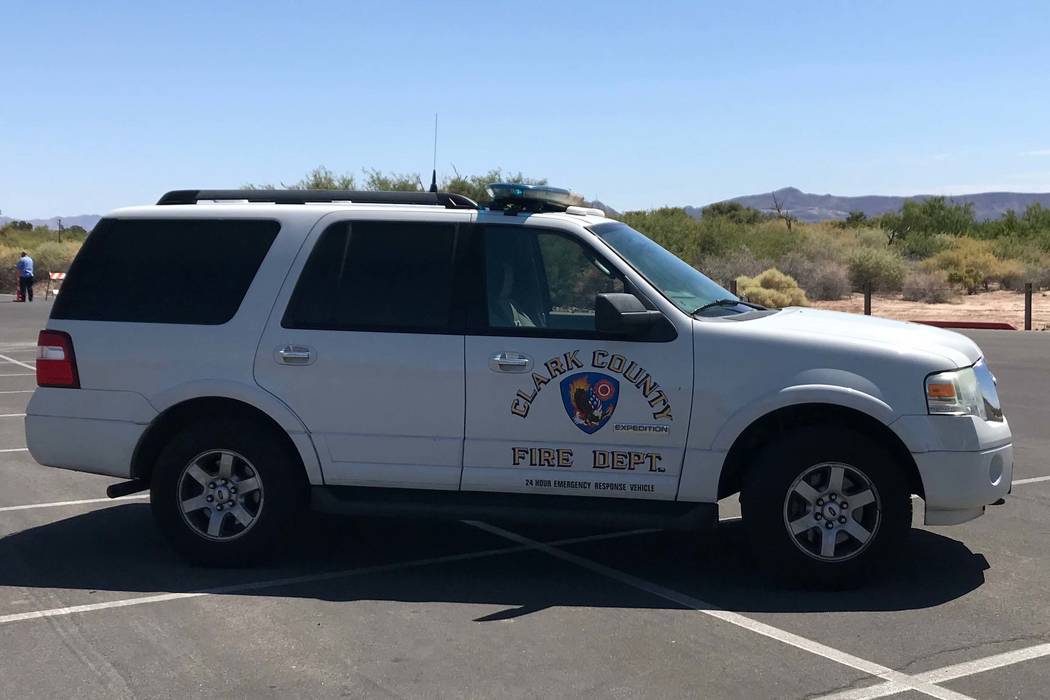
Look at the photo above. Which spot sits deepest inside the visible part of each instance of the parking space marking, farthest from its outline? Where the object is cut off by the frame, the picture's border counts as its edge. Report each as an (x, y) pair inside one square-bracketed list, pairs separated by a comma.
[(15, 449), (12, 415), (239, 588), (1033, 480), (84, 502), (905, 681), (947, 673), (18, 362), (18, 391), (22, 374)]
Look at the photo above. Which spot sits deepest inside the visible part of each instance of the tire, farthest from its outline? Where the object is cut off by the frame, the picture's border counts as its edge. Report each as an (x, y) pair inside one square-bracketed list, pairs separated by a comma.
[(224, 491), (793, 508)]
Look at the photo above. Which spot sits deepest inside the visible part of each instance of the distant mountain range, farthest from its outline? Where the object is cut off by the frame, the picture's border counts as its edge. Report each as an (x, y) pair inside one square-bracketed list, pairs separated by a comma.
[(802, 205), (85, 221), (821, 207)]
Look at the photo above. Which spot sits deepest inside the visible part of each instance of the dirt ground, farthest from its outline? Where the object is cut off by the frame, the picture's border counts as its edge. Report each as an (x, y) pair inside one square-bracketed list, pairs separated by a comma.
[(1000, 306)]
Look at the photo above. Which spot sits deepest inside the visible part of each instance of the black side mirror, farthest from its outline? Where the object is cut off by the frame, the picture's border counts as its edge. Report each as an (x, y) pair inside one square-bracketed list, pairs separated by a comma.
[(623, 314)]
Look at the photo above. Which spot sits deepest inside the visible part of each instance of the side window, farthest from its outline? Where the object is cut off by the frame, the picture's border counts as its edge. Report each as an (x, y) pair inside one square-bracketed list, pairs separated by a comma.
[(543, 280), (377, 275), (188, 271)]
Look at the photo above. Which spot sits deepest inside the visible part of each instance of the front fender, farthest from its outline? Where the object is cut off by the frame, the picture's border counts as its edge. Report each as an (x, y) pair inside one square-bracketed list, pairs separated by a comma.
[(835, 395)]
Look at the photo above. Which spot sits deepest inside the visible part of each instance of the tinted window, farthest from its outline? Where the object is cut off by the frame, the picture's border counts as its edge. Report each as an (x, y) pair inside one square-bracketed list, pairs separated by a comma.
[(164, 271), (377, 275), (542, 280)]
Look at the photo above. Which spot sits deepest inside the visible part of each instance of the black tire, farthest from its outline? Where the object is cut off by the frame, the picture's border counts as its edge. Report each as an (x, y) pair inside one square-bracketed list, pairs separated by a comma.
[(271, 502), (813, 453)]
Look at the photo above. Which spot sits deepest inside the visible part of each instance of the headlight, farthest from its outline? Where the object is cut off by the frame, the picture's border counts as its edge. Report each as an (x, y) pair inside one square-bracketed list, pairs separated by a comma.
[(964, 392), (954, 393)]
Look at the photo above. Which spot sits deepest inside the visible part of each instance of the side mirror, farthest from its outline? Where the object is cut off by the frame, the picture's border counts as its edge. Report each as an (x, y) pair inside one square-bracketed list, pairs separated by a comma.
[(623, 314)]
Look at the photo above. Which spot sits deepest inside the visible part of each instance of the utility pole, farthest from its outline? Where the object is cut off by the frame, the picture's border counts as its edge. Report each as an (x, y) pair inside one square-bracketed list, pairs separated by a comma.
[(60, 229)]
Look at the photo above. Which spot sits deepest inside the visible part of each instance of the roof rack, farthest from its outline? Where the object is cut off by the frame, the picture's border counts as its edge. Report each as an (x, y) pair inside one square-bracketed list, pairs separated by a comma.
[(448, 200)]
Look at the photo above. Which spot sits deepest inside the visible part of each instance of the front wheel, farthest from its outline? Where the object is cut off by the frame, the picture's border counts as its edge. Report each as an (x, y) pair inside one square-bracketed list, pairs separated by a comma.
[(824, 507), (224, 491)]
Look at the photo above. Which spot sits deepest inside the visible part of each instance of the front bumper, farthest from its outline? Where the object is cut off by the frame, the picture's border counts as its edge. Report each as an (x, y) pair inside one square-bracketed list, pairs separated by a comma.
[(965, 463), (958, 485)]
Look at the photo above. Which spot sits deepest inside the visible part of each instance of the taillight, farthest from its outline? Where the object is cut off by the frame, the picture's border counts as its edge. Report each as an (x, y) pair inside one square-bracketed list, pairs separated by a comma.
[(56, 365)]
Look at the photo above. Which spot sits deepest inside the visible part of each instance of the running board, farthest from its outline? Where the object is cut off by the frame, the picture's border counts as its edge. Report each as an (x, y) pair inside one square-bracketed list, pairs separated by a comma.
[(479, 505)]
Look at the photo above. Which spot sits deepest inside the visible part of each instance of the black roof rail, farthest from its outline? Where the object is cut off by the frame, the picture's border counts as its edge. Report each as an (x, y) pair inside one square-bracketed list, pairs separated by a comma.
[(449, 200)]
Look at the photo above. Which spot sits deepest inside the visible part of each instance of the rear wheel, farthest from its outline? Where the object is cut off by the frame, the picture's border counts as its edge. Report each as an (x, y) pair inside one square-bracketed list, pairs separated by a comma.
[(822, 507), (223, 492)]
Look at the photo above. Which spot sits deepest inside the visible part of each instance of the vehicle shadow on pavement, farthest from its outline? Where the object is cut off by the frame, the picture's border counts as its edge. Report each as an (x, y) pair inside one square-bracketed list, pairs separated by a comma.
[(120, 549)]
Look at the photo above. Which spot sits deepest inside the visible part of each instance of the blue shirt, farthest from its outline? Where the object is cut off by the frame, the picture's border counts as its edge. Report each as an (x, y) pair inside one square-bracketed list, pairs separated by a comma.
[(25, 266)]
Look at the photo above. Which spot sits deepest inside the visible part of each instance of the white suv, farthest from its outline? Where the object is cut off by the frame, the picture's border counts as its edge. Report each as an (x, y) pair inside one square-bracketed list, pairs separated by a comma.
[(244, 354)]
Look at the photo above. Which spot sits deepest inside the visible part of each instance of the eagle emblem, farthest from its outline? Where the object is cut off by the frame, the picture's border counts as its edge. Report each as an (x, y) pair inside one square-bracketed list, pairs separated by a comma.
[(590, 399)]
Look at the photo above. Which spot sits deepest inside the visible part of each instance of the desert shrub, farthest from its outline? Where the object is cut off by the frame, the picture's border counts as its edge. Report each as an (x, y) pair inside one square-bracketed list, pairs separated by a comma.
[(772, 239), (969, 262), (875, 269), (822, 279), (1011, 274), (869, 237), (53, 256), (772, 288), (923, 245), (722, 268), (930, 287)]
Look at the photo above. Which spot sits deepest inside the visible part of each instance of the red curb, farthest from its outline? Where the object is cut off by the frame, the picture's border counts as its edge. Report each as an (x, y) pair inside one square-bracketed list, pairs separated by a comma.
[(983, 325)]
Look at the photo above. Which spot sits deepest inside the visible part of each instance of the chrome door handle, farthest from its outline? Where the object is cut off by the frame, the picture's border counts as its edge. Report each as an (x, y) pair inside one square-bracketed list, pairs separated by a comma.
[(295, 355), (510, 362)]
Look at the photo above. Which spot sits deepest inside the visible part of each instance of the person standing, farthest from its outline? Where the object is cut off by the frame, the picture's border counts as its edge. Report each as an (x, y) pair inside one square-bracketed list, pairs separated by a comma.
[(25, 276)]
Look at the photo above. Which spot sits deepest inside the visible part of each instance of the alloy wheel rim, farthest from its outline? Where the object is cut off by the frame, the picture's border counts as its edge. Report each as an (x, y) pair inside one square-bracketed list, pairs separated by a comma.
[(220, 495), (832, 511)]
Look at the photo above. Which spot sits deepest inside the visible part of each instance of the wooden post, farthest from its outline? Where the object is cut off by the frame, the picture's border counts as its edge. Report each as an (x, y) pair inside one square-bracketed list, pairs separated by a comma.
[(732, 287), (867, 301), (1028, 306)]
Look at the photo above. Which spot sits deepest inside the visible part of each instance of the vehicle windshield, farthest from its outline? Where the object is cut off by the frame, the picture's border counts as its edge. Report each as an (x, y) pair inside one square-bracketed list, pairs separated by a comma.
[(685, 286)]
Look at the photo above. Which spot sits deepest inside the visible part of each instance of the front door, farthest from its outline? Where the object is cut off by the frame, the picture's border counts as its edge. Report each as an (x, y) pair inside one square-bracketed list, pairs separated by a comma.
[(553, 407), (368, 351)]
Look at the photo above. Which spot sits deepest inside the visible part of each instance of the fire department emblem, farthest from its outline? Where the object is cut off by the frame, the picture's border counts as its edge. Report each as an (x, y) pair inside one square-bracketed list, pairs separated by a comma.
[(590, 399)]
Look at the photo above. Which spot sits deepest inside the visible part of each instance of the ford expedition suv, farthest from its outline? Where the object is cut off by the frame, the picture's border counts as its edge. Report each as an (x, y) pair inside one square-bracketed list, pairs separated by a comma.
[(246, 354)]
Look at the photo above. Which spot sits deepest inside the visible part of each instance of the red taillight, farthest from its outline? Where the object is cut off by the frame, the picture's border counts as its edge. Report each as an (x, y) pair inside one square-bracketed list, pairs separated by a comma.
[(56, 365)]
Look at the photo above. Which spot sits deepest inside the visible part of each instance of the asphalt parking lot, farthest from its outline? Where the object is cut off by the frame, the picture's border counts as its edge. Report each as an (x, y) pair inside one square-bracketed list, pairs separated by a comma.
[(93, 603)]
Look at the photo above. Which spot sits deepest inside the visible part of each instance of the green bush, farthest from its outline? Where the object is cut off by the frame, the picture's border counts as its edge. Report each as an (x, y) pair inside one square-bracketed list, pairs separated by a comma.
[(772, 288), (969, 263), (875, 269)]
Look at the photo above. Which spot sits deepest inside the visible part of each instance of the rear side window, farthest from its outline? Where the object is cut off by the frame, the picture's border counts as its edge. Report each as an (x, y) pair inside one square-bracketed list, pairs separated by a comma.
[(391, 276), (193, 271)]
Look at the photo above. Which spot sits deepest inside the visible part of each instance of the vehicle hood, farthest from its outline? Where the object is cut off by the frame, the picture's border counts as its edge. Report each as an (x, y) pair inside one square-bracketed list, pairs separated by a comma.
[(872, 330)]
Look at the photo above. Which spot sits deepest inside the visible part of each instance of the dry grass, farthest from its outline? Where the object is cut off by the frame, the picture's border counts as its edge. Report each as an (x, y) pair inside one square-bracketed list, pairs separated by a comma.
[(1001, 306)]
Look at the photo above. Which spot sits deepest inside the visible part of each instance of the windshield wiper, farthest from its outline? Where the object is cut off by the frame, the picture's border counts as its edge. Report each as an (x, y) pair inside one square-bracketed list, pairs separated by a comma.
[(727, 302)]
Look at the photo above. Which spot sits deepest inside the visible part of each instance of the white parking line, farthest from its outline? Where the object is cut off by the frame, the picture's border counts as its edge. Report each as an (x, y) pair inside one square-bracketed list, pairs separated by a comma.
[(947, 673), (12, 415), (18, 362), (1033, 480), (18, 391), (15, 449), (904, 680), (86, 501), (293, 580), (21, 374)]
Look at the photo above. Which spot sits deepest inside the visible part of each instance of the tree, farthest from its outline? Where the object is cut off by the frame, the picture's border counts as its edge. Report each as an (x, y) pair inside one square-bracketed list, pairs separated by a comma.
[(856, 219), (783, 213), (733, 211)]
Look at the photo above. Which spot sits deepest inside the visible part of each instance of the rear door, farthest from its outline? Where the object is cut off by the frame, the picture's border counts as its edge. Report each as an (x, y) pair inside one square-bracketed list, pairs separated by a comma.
[(366, 345), (553, 407)]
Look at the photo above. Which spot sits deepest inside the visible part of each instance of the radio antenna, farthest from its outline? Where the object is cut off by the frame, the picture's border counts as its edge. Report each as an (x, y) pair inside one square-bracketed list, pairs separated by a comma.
[(434, 173)]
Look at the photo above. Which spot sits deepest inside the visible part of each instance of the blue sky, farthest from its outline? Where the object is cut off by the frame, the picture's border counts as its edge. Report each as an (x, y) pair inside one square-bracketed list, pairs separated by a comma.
[(641, 104)]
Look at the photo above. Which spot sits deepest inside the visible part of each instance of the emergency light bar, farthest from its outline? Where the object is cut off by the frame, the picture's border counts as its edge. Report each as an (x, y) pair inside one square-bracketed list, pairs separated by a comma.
[(513, 198)]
